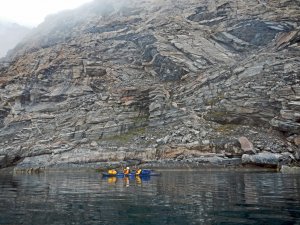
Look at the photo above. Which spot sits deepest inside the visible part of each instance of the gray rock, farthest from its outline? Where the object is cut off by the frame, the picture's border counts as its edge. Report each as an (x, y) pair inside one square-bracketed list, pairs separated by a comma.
[(187, 139), (94, 144), (286, 125), (203, 134), (77, 72), (246, 145), (154, 106), (295, 105), (297, 155), (110, 124), (193, 145), (166, 139), (3, 160), (265, 159), (290, 170), (160, 141), (297, 140), (205, 142)]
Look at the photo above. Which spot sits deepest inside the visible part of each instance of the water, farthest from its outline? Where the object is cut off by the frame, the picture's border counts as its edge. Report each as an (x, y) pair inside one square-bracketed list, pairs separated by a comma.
[(176, 197)]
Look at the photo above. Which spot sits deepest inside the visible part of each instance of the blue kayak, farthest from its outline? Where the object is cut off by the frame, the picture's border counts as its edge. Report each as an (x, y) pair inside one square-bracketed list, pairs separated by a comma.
[(132, 174)]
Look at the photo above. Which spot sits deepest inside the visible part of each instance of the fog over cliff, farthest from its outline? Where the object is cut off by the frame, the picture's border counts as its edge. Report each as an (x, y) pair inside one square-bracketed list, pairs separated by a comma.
[(10, 35)]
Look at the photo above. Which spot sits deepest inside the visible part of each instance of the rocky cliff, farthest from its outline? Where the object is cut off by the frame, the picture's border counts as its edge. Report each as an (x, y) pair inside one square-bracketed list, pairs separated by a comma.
[(210, 82)]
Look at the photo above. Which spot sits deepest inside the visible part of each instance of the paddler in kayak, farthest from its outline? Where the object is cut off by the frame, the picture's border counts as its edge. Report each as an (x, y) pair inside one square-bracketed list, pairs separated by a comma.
[(138, 172), (112, 172), (126, 171)]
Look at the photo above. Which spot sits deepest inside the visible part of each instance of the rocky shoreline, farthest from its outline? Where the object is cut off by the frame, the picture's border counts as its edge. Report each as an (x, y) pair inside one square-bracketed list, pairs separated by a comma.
[(211, 163), (264, 161)]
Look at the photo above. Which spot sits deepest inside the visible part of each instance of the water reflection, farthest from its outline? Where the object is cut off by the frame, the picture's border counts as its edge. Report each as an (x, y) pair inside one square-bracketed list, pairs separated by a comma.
[(178, 197), (127, 181)]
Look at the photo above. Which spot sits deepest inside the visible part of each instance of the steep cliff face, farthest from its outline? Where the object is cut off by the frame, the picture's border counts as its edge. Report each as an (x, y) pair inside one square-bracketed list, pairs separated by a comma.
[(180, 81)]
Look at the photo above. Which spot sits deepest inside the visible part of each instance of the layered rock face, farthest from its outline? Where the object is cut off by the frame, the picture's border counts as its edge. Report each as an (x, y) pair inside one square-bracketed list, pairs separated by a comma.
[(191, 82)]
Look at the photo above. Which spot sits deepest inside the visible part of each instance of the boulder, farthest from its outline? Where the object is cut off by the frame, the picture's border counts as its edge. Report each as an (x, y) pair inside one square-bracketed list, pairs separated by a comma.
[(77, 71), (154, 106), (3, 159), (288, 169), (297, 140), (286, 125), (205, 142), (93, 144), (246, 145), (265, 159)]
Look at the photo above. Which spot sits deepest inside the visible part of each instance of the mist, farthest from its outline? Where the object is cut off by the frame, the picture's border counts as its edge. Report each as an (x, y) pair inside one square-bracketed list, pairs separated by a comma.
[(18, 17), (30, 13), (10, 35)]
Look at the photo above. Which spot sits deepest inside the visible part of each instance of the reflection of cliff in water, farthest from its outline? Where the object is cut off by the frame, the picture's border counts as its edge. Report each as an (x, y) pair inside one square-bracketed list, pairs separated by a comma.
[(177, 197), (57, 195), (127, 181), (208, 192)]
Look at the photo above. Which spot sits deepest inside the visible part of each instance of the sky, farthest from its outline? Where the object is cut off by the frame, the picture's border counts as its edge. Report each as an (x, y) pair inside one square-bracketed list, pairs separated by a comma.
[(32, 12)]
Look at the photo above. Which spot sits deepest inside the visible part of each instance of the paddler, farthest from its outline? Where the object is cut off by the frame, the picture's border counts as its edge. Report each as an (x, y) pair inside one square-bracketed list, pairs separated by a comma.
[(112, 172), (126, 171), (138, 172)]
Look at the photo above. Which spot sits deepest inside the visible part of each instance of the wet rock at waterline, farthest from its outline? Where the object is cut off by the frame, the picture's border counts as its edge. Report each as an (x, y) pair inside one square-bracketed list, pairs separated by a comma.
[(290, 170)]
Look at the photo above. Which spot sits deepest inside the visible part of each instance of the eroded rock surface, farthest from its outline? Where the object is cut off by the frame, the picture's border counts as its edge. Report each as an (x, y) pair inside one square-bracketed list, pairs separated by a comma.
[(131, 81)]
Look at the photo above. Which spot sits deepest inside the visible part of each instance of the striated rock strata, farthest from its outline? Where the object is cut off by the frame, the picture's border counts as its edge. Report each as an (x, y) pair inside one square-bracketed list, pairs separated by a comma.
[(189, 82)]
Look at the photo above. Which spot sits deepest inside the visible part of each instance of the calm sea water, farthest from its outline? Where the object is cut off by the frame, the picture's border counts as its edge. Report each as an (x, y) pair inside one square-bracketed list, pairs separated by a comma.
[(176, 197)]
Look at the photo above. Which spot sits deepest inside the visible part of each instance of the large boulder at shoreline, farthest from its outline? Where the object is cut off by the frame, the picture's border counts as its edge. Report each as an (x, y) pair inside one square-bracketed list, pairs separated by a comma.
[(288, 169), (266, 159), (3, 161), (155, 80)]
